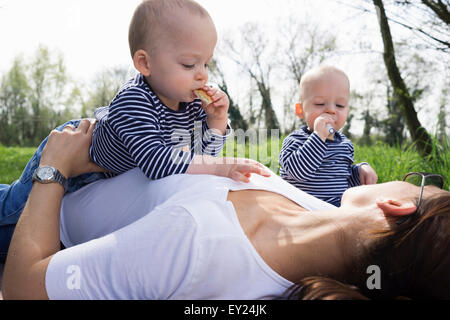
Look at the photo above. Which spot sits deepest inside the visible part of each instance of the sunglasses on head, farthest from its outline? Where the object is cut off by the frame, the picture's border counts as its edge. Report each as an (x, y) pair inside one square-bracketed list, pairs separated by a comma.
[(422, 179)]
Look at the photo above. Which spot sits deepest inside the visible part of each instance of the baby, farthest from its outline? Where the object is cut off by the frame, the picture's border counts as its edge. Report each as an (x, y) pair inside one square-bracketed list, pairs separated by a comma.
[(318, 159), (152, 121), (156, 122)]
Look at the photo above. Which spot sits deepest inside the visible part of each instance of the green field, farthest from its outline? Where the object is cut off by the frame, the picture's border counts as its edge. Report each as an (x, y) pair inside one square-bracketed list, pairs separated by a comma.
[(390, 163), (12, 162)]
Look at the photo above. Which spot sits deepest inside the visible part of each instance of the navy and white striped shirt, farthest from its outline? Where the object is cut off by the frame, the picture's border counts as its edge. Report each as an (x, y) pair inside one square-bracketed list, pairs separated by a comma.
[(322, 169), (138, 130)]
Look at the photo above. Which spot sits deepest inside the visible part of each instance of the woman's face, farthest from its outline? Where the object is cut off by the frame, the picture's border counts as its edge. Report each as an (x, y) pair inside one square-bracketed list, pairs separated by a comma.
[(364, 195), (360, 205), (367, 209), (395, 190)]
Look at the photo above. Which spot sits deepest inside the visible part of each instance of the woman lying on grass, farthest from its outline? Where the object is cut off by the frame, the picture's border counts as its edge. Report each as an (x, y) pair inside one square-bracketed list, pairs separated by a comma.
[(209, 237)]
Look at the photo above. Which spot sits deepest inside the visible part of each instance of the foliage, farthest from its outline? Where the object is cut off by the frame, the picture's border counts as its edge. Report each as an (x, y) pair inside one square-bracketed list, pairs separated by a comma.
[(102, 90), (33, 98), (234, 112), (37, 95), (390, 163), (12, 162), (254, 42), (432, 26)]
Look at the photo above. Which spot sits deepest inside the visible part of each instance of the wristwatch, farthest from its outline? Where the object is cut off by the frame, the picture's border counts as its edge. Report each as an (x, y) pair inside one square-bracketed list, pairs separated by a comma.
[(47, 174)]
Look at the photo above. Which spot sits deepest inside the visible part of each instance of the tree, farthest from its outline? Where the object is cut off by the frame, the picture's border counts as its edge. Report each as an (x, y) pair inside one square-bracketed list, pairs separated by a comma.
[(418, 72), (47, 95), (357, 102), (369, 123), (418, 133), (364, 103), (441, 130), (306, 46), (102, 89), (14, 115), (441, 9), (347, 125), (237, 121), (393, 125), (432, 24), (253, 57), (35, 98), (427, 20)]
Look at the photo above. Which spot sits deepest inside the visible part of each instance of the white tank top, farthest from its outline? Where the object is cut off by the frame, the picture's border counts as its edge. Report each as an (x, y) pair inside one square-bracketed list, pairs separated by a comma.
[(178, 238)]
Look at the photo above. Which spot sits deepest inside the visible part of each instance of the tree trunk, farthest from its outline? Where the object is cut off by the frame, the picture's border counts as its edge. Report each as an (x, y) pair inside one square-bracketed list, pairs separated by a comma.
[(237, 121), (418, 134), (271, 120), (439, 8)]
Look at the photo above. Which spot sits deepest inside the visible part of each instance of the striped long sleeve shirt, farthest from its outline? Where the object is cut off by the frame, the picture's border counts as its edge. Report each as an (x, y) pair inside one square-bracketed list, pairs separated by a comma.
[(138, 130), (322, 169)]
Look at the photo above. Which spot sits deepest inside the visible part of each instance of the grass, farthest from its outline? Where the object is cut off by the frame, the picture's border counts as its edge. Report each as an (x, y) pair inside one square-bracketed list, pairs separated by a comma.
[(390, 163), (12, 162)]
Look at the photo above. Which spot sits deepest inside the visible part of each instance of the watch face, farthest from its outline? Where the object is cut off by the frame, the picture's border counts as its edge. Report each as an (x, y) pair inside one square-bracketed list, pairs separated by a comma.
[(45, 173)]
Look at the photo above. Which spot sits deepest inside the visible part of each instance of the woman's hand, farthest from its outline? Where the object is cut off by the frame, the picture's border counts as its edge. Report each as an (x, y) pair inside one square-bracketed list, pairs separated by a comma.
[(68, 150)]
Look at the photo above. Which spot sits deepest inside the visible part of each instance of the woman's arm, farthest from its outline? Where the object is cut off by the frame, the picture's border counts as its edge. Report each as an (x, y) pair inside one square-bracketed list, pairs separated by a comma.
[(35, 240), (36, 237)]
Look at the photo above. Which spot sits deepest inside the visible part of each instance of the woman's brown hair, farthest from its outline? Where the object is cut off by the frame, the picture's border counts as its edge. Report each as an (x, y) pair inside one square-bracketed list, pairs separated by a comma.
[(414, 260)]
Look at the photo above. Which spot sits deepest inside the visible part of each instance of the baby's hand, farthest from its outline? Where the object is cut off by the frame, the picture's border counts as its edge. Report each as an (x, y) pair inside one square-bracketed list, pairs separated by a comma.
[(217, 110), (367, 175), (321, 128), (240, 169), (218, 97)]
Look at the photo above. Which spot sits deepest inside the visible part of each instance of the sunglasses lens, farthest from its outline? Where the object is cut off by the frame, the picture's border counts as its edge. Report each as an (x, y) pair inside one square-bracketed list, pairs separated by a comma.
[(433, 181), (414, 179)]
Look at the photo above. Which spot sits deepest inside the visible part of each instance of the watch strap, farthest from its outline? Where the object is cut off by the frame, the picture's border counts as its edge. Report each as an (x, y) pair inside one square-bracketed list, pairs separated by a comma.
[(57, 176)]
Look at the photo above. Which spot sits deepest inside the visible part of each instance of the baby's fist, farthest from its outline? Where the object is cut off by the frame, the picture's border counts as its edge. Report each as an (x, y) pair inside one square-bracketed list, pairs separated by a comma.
[(367, 175)]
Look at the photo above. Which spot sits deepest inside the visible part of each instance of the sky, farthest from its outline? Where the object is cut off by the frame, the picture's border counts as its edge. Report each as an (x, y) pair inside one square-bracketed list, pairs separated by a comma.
[(93, 34), (90, 34)]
